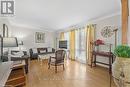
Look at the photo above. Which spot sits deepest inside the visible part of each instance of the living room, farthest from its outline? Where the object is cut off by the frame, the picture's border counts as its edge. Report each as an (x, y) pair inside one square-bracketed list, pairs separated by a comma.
[(64, 43)]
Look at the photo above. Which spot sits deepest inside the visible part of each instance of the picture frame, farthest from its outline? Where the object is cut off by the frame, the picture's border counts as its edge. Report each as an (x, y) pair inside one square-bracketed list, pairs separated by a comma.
[(40, 37)]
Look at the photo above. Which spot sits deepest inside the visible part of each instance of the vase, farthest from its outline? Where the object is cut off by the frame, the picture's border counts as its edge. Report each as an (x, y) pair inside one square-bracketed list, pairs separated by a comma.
[(121, 65)]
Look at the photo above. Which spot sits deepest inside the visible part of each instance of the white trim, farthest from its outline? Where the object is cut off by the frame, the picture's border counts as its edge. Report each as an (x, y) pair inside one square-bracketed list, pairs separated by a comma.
[(104, 17), (29, 26), (89, 21)]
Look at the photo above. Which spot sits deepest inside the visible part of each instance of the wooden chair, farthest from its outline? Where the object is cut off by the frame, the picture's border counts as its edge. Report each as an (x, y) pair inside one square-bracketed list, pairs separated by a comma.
[(57, 60)]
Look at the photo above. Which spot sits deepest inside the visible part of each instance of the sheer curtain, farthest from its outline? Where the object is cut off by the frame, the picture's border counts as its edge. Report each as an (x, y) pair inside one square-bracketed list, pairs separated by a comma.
[(80, 42), (77, 45), (66, 37)]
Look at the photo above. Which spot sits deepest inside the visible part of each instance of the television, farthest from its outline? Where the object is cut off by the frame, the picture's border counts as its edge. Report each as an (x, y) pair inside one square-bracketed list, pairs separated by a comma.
[(63, 44)]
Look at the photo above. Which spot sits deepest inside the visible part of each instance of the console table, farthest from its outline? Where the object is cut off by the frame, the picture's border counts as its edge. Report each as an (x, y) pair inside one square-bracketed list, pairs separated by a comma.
[(96, 52)]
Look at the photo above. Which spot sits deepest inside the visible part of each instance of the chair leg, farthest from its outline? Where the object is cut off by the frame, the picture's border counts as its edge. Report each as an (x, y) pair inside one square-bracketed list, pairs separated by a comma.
[(63, 67), (49, 66), (55, 69)]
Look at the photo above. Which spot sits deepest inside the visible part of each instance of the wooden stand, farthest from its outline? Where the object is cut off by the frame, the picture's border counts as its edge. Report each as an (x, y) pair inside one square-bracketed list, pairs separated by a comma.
[(108, 55), (17, 76)]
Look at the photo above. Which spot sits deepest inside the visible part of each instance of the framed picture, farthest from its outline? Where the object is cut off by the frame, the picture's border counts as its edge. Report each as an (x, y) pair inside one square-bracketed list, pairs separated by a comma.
[(40, 37)]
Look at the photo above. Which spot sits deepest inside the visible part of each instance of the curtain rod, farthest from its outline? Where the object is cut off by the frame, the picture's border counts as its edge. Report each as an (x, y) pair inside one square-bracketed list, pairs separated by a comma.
[(76, 28)]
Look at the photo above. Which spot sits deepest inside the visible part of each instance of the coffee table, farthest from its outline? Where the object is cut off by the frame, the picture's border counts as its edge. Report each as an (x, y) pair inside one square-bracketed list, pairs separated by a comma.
[(42, 57)]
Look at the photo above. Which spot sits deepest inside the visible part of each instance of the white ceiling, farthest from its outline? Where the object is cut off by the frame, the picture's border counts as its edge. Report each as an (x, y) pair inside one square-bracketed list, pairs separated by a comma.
[(58, 14)]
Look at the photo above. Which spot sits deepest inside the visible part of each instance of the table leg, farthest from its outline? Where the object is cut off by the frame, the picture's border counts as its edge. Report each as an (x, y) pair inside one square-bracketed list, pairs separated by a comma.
[(38, 59), (110, 64), (95, 60), (26, 66), (110, 80), (112, 59), (41, 61), (92, 61)]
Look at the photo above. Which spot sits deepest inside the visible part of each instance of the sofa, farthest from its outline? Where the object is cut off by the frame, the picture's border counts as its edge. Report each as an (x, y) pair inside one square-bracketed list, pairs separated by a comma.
[(34, 52)]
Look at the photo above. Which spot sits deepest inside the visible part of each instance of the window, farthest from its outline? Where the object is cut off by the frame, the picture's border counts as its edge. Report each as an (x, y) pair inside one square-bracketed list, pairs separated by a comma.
[(80, 43)]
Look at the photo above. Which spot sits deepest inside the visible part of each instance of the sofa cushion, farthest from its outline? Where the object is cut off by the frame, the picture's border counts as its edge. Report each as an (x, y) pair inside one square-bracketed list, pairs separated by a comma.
[(42, 51), (49, 49)]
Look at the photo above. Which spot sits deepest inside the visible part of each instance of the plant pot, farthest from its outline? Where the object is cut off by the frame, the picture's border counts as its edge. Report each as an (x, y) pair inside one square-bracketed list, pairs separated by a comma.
[(121, 65)]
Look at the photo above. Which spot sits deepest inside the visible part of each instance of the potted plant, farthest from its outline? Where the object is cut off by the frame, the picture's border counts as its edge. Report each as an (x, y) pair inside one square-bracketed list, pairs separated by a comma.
[(121, 66)]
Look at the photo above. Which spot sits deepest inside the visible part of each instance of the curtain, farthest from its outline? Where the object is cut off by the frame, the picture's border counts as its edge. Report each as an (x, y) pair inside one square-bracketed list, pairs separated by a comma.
[(90, 37), (77, 44), (66, 37), (80, 45), (72, 44), (62, 36)]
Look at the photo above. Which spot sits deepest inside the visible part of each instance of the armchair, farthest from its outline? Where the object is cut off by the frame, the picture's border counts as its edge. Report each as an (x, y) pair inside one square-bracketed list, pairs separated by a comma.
[(57, 60)]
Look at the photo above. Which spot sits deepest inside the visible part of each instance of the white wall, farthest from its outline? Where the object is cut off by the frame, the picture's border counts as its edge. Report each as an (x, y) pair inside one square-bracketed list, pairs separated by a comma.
[(27, 35)]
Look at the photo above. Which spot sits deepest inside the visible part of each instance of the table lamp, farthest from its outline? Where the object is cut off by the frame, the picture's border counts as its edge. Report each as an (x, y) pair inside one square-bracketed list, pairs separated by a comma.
[(10, 42), (7, 42)]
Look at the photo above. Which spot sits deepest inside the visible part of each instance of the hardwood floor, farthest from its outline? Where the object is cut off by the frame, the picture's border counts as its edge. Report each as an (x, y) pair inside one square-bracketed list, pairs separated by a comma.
[(74, 75)]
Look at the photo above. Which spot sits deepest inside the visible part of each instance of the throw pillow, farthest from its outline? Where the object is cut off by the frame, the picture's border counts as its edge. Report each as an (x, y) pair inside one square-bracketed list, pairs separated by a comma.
[(42, 51), (49, 49)]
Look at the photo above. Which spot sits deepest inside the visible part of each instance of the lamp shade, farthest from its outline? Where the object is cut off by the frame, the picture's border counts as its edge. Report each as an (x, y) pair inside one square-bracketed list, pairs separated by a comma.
[(10, 42)]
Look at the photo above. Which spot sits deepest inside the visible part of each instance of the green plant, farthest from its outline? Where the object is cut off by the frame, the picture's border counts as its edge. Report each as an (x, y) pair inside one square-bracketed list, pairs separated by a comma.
[(122, 51)]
